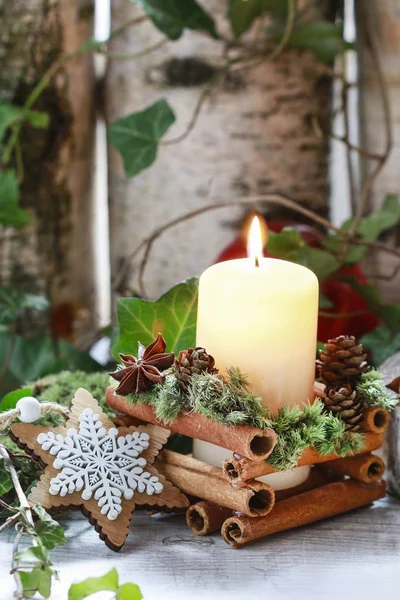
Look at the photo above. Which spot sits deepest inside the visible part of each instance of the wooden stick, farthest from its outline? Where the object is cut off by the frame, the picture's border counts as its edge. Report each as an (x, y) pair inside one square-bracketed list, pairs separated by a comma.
[(315, 505), (375, 419), (366, 468), (206, 482), (256, 444), (206, 517), (240, 468)]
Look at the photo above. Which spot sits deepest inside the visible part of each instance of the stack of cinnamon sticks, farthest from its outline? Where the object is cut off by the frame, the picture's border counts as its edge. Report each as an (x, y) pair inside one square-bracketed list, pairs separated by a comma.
[(231, 499)]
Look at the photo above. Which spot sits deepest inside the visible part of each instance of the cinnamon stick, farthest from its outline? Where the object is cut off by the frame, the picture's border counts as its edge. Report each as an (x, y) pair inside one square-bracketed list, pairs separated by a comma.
[(367, 468), (316, 478), (206, 517), (323, 502), (375, 419), (204, 481), (240, 468), (256, 444)]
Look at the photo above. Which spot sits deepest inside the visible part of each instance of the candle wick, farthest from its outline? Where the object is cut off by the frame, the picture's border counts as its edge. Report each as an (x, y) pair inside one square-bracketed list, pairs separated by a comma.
[(257, 262)]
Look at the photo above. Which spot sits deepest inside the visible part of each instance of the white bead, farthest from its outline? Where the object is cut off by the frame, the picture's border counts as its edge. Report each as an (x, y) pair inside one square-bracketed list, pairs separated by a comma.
[(30, 409)]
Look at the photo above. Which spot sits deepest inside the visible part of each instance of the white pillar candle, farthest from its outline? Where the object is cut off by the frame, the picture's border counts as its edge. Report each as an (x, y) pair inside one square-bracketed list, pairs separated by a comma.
[(260, 315)]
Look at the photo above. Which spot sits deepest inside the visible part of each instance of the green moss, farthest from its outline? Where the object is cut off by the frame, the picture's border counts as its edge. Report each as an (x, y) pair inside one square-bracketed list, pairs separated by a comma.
[(58, 388), (229, 401)]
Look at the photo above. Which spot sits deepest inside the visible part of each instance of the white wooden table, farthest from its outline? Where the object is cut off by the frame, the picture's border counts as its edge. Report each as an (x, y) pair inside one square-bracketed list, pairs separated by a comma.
[(355, 556)]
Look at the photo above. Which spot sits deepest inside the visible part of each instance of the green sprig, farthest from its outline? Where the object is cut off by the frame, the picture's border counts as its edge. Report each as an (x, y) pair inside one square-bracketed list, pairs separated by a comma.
[(373, 391)]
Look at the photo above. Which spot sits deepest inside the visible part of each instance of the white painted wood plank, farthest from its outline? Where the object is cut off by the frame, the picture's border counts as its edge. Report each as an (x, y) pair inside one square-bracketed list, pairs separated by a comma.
[(349, 557)]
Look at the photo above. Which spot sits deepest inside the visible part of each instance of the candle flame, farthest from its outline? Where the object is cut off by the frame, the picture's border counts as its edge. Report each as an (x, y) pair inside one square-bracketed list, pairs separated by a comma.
[(256, 240)]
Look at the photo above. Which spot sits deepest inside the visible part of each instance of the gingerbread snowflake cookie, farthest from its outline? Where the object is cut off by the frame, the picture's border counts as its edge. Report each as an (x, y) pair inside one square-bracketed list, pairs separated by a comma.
[(102, 470)]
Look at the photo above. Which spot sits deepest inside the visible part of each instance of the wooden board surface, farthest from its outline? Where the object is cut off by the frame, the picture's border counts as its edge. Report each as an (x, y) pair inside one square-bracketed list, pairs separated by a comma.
[(349, 557)]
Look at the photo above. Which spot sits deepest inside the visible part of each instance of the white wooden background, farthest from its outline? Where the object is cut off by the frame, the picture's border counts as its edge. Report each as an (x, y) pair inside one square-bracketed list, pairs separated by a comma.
[(351, 557)]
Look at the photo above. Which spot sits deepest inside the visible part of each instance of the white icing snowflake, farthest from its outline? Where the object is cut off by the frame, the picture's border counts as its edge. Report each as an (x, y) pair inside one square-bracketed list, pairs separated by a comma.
[(100, 463)]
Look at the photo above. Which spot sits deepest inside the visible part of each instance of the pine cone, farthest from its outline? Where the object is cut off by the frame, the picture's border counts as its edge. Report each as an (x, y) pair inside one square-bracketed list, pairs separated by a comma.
[(191, 361), (342, 361), (345, 403)]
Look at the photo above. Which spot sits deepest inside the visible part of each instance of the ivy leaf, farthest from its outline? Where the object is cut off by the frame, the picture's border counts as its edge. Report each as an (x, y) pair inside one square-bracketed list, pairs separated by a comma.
[(50, 532), (324, 302), (242, 13), (128, 591), (38, 579), (381, 343), (173, 16), (33, 555), (11, 114), (11, 215), (34, 358), (6, 483), (174, 315), (109, 582), (379, 221), (286, 245), (136, 136), (388, 313), (13, 302), (322, 263), (10, 400), (74, 359), (335, 244), (323, 38), (370, 228), (289, 245)]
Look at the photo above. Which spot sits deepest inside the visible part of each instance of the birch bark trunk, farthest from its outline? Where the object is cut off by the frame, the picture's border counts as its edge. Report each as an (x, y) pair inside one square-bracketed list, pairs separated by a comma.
[(254, 135), (53, 254), (382, 21)]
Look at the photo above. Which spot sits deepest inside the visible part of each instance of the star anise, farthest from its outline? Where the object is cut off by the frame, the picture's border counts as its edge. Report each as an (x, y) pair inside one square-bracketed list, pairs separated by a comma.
[(139, 373)]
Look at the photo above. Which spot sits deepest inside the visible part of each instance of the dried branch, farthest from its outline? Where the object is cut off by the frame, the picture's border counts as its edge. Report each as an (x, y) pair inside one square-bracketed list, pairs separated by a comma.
[(103, 49), (10, 521), (280, 200), (251, 201), (197, 109), (349, 315)]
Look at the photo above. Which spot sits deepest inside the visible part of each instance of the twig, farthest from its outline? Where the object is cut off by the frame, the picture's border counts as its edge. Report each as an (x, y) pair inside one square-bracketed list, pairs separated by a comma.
[(277, 199), (19, 593), (349, 315), (23, 501), (197, 109), (392, 275), (358, 149), (51, 71), (7, 506), (131, 23), (287, 32), (133, 55), (268, 199), (214, 80), (10, 521)]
